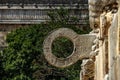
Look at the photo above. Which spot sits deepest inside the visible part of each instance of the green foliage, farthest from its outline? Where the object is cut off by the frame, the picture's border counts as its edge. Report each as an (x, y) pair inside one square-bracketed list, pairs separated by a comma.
[(1, 66), (62, 47), (62, 16), (23, 59)]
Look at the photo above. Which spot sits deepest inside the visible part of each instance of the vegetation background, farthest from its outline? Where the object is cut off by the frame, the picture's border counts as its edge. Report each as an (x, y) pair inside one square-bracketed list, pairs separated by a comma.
[(23, 59)]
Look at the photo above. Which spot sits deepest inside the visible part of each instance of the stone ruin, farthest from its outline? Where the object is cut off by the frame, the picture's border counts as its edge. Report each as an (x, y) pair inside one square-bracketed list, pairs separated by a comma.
[(20, 13), (99, 50)]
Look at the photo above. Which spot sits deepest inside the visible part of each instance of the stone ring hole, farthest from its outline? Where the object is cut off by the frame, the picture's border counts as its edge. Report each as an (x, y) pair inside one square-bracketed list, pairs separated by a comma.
[(50, 43), (62, 47)]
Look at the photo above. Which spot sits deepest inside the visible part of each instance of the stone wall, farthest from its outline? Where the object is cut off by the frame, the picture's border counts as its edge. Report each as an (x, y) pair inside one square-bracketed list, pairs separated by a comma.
[(29, 15), (43, 1)]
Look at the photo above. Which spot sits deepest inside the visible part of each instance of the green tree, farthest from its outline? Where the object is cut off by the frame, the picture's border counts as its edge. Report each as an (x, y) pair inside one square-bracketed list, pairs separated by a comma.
[(23, 59)]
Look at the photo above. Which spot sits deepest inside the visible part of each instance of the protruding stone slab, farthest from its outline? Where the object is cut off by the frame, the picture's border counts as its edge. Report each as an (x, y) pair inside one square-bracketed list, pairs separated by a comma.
[(82, 47)]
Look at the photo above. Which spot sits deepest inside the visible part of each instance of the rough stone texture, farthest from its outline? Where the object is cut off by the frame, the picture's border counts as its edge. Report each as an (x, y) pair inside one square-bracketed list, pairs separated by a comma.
[(96, 7), (118, 49), (87, 70), (99, 15), (113, 41), (42, 1), (23, 16), (29, 14), (115, 57), (101, 60), (95, 47), (80, 51)]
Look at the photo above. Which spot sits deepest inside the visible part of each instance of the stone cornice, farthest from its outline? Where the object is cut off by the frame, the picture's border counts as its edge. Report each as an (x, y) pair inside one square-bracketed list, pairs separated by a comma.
[(43, 6)]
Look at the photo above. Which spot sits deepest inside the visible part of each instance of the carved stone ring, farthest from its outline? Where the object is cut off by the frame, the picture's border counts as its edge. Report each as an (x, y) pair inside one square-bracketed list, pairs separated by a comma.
[(82, 47)]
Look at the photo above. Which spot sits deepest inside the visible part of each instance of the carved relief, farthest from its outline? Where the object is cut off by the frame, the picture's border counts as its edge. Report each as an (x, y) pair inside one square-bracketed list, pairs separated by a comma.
[(96, 8), (87, 72), (101, 18)]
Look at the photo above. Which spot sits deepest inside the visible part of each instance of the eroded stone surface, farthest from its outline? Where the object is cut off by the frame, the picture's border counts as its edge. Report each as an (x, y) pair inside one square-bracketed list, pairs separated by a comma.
[(113, 38), (82, 47), (87, 72)]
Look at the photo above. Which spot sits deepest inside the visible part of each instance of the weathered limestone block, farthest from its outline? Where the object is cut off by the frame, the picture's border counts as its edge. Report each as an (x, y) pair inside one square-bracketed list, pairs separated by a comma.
[(95, 47), (119, 25), (96, 7), (87, 72), (113, 44), (118, 49)]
